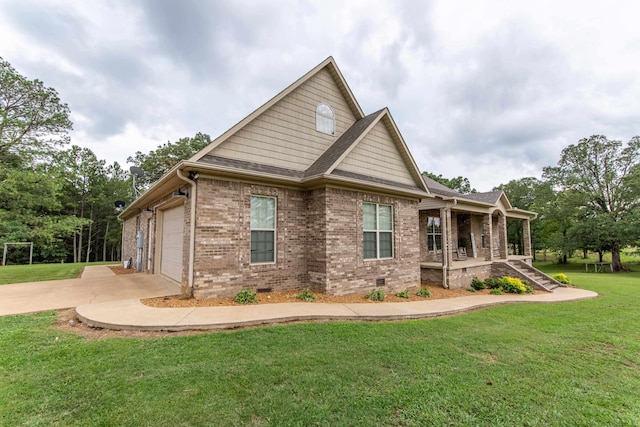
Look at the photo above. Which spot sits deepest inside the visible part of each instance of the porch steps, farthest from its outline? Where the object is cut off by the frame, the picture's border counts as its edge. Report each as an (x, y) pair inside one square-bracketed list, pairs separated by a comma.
[(535, 277)]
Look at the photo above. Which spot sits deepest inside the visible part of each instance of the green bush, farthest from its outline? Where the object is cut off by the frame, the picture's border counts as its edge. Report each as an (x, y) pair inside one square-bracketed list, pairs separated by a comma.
[(403, 294), (424, 293), (306, 295), (246, 296), (376, 295), (495, 291), (492, 283), (513, 285), (470, 290), (477, 284), (562, 278)]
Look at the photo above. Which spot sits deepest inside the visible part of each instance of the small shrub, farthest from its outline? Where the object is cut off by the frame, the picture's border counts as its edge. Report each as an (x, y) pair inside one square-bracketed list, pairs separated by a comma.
[(424, 293), (403, 294), (495, 291), (306, 295), (492, 283), (246, 296), (471, 290), (376, 295), (562, 278), (513, 285), (477, 284)]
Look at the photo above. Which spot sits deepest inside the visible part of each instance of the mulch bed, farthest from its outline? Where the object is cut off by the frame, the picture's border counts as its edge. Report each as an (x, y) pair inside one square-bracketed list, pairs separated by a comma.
[(119, 269), (437, 292)]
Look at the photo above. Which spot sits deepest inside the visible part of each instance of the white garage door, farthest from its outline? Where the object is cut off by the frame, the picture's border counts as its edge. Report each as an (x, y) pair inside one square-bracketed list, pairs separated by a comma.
[(172, 243)]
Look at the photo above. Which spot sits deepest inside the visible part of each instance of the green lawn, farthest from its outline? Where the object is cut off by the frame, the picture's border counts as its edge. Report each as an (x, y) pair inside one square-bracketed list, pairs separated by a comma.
[(569, 364), (40, 272)]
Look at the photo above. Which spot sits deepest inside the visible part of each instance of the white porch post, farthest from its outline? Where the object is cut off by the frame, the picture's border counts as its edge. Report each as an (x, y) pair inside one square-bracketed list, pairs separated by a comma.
[(447, 249)]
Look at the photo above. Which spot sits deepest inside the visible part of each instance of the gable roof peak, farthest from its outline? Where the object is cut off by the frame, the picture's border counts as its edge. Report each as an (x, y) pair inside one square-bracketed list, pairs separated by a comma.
[(333, 69)]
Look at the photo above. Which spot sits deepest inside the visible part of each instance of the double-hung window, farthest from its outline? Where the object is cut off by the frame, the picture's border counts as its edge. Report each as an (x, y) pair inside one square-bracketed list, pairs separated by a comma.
[(377, 231), (434, 234), (263, 229)]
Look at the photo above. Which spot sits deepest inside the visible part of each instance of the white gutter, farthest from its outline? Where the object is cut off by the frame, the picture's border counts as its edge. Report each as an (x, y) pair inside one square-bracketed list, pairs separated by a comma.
[(192, 226)]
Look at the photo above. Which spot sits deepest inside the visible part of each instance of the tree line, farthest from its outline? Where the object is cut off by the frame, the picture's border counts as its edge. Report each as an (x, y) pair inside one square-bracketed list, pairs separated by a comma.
[(61, 197)]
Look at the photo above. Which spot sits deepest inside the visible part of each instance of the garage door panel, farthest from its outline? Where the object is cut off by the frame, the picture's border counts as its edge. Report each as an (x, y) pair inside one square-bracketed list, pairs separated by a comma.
[(172, 243)]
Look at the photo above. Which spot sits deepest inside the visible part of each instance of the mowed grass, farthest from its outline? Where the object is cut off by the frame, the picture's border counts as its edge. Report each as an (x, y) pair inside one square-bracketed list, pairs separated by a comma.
[(39, 272), (567, 364)]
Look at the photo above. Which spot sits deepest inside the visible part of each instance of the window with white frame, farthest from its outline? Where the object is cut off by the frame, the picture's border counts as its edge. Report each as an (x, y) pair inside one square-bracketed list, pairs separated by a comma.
[(263, 229), (377, 231), (434, 234), (325, 120)]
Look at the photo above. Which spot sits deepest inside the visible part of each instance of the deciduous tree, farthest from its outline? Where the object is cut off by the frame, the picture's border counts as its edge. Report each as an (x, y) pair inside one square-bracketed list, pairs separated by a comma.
[(600, 176), (159, 161), (459, 183), (33, 120)]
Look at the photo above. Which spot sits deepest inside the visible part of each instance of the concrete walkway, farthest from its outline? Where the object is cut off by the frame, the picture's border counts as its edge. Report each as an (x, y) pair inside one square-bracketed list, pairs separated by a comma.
[(98, 284), (133, 315)]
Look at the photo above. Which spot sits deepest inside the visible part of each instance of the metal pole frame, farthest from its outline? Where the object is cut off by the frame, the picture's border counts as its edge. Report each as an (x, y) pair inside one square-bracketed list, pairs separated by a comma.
[(6, 246)]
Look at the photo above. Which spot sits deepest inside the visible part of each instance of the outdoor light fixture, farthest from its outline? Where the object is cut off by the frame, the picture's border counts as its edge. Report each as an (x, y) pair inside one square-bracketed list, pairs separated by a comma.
[(179, 192), (119, 204)]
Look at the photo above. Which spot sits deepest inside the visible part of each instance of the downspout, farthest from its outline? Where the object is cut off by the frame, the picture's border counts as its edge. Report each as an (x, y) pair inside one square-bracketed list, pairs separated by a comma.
[(192, 226)]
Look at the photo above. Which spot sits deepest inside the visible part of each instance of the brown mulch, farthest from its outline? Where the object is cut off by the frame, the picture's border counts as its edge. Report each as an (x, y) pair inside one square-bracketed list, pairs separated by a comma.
[(437, 292), (119, 269)]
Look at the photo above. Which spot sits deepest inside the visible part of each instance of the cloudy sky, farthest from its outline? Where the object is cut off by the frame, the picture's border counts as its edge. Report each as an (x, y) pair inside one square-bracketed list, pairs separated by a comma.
[(490, 90)]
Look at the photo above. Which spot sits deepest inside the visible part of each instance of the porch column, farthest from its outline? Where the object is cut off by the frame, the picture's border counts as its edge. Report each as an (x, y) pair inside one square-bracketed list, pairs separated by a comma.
[(447, 248), (502, 236), (488, 237), (526, 236)]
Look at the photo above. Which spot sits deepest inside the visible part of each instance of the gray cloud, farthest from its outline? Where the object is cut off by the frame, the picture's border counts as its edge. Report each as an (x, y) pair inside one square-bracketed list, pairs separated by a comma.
[(510, 93)]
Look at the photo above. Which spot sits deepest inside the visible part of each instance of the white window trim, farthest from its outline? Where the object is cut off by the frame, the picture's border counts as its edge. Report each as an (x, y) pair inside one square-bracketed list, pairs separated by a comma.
[(378, 231), (332, 118), (274, 229)]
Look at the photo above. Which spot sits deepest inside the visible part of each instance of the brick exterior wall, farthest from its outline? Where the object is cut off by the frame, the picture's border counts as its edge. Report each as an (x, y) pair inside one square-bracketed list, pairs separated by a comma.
[(431, 276), (129, 230), (347, 270), (316, 250), (318, 241), (461, 277), (222, 262)]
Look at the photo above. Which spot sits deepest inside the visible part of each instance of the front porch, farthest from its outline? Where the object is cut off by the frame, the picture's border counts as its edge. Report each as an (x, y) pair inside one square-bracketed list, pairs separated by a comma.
[(458, 245)]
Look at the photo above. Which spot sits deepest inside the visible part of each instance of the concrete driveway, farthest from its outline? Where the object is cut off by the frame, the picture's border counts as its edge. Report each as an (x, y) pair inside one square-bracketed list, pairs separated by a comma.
[(98, 284)]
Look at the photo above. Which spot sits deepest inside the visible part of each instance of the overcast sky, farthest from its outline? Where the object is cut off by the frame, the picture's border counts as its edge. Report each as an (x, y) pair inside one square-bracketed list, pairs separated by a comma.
[(490, 90)]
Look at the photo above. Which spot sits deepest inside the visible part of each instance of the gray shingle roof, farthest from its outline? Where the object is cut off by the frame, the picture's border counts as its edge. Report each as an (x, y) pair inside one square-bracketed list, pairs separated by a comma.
[(490, 197), (250, 166), (373, 179)]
